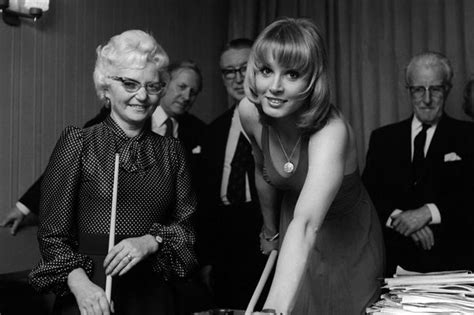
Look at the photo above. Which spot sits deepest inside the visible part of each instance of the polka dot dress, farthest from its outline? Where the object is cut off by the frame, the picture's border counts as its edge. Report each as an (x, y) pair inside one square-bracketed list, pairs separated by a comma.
[(154, 197)]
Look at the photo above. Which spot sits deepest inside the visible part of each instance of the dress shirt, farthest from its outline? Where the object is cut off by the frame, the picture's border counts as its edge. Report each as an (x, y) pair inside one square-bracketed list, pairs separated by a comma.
[(234, 134), (158, 122), (416, 126)]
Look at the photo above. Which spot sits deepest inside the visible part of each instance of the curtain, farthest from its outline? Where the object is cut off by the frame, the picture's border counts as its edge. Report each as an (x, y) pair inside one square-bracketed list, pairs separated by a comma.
[(369, 44)]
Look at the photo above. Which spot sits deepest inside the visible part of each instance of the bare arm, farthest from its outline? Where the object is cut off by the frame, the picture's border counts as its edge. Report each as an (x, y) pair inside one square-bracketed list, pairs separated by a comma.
[(326, 155), (267, 194)]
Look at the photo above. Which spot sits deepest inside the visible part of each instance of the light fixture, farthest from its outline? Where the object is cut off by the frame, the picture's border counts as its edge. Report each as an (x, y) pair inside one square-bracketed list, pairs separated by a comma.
[(13, 10)]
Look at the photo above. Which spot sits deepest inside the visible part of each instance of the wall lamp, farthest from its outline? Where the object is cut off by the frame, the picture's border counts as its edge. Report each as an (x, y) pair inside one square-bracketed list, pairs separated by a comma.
[(13, 10)]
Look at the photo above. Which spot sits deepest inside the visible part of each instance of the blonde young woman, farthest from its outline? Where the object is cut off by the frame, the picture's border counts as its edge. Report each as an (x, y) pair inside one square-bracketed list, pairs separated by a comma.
[(331, 253)]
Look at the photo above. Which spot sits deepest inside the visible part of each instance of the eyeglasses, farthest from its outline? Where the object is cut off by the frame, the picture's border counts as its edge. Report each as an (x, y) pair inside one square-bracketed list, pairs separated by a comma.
[(231, 73), (419, 91), (132, 86)]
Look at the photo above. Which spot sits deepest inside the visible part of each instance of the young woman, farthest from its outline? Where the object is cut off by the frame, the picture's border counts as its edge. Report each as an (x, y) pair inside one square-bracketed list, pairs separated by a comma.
[(331, 249)]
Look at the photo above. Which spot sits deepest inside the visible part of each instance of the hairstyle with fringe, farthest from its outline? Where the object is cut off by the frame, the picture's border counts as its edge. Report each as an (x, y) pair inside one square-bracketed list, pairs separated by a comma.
[(466, 105), (132, 49), (430, 59), (295, 44), (174, 67)]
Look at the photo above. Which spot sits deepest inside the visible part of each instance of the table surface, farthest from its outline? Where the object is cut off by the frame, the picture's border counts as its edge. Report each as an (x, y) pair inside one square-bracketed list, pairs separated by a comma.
[(19, 252)]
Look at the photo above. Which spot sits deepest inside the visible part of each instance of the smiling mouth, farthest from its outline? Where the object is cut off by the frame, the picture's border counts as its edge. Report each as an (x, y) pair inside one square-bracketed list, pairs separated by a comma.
[(136, 106), (275, 101)]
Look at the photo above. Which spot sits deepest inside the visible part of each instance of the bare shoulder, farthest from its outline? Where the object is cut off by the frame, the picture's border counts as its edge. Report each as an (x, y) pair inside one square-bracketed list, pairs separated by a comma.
[(336, 130), (249, 116), (247, 110)]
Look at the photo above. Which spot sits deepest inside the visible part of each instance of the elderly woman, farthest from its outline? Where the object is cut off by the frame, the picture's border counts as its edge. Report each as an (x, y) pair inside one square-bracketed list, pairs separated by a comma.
[(154, 236), (331, 249)]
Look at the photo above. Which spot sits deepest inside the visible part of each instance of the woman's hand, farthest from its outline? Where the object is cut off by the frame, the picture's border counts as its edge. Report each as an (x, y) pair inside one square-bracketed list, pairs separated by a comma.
[(90, 298), (129, 252), (268, 242)]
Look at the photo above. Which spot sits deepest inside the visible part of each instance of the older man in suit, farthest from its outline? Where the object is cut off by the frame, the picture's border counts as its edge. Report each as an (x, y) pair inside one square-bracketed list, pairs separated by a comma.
[(232, 219), (418, 173)]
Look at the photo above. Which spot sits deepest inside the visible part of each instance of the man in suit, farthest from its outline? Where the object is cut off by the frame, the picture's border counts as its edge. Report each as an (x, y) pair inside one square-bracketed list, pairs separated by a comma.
[(418, 174), (468, 104), (185, 83), (232, 219)]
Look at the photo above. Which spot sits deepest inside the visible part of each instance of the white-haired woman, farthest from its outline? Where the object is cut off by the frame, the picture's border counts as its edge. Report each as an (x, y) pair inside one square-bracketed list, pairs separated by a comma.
[(154, 236)]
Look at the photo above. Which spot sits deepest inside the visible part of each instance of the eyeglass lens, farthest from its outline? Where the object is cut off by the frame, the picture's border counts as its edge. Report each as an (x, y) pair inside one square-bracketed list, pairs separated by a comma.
[(420, 91), (231, 73), (133, 86)]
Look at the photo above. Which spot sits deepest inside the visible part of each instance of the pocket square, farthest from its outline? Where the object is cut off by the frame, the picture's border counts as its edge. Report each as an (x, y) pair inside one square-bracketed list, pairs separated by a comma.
[(196, 150), (449, 157)]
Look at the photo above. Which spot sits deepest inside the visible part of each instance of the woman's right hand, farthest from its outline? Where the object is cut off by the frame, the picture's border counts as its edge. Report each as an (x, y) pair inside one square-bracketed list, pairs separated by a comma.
[(90, 298), (268, 241)]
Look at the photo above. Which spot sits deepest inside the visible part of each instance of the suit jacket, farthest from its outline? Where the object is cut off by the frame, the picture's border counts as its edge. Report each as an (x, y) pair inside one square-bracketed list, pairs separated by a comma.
[(190, 131), (388, 178), (228, 233)]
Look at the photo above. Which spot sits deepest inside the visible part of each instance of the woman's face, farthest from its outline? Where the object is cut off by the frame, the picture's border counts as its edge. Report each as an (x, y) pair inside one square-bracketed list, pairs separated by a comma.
[(132, 108), (279, 89)]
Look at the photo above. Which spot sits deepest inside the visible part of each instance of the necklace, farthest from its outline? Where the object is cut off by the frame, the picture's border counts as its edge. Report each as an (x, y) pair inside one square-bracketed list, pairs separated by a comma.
[(288, 167)]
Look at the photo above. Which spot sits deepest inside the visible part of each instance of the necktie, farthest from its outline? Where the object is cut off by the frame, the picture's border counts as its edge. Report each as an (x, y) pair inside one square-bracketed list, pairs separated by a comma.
[(169, 127), (240, 165), (418, 152)]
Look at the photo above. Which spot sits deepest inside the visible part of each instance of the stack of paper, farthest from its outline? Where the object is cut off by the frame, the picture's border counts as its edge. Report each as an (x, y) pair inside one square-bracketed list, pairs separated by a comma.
[(450, 292)]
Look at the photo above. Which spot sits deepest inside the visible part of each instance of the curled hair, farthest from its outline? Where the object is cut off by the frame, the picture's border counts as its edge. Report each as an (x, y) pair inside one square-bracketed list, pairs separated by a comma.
[(295, 44), (467, 105), (430, 59), (132, 49), (174, 67)]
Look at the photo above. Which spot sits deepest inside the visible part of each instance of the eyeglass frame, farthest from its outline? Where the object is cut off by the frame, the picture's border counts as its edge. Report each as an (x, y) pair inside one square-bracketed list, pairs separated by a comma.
[(139, 85), (429, 88), (233, 72)]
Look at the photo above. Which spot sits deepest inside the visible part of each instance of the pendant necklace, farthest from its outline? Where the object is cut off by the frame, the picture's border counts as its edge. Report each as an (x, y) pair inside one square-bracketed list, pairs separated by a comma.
[(288, 167)]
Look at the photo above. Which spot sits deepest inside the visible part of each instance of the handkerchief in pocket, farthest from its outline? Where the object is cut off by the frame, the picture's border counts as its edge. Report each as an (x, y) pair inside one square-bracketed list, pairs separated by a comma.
[(196, 150), (450, 157)]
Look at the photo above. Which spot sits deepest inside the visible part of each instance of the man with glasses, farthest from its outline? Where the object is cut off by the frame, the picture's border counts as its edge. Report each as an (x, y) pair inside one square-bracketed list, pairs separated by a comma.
[(232, 221), (418, 174)]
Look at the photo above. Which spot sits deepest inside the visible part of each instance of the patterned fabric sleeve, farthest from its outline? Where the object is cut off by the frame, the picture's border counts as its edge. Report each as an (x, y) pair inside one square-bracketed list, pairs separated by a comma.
[(56, 233), (176, 256)]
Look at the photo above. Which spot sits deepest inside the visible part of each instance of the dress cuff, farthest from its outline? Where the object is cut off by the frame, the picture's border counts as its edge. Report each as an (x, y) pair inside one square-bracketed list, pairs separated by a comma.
[(389, 220), (435, 214), (23, 209)]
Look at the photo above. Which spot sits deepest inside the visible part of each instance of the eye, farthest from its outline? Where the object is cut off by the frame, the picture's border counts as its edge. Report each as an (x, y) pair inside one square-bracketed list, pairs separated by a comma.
[(293, 74), (265, 71), (437, 88), (155, 87), (130, 85), (182, 87)]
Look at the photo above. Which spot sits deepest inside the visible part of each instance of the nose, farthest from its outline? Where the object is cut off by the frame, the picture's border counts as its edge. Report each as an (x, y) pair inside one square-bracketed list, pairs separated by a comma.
[(141, 94), (239, 78), (427, 97), (186, 94), (276, 87)]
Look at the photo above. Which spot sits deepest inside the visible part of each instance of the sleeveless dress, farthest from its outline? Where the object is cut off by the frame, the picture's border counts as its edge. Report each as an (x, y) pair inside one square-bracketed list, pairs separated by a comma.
[(345, 268)]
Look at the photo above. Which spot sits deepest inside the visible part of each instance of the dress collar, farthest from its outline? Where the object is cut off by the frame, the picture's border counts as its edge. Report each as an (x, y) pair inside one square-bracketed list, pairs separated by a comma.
[(136, 153)]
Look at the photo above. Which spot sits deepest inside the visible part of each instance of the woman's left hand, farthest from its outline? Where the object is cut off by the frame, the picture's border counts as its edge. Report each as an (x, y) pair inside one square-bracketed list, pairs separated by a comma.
[(129, 252)]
